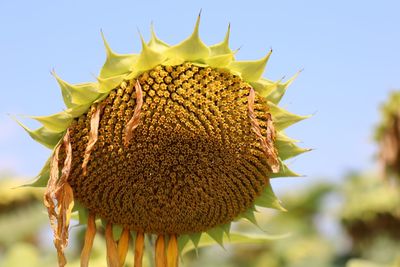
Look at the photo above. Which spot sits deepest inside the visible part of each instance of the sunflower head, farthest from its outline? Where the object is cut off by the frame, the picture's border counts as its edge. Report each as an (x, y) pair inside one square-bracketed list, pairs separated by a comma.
[(174, 142), (388, 136)]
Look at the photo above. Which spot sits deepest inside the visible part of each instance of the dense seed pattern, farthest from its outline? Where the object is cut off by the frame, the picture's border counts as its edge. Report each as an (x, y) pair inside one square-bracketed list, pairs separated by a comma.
[(194, 161)]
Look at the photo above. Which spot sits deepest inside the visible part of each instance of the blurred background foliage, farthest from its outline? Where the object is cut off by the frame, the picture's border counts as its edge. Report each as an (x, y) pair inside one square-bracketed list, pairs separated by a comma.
[(352, 224)]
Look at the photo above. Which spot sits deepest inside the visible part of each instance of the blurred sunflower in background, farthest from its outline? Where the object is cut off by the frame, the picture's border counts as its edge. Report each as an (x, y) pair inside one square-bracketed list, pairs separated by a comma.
[(168, 144), (388, 136)]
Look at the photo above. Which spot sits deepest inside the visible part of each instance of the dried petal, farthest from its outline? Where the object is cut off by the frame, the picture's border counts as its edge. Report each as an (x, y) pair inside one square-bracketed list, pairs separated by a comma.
[(112, 254), (51, 188), (134, 121), (59, 199), (268, 142), (172, 252), (93, 135), (139, 247), (123, 246), (160, 251), (89, 237)]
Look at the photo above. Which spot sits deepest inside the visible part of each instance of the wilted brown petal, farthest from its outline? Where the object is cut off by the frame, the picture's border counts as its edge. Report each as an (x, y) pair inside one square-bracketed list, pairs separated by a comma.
[(59, 198), (65, 199), (266, 143), (134, 121), (160, 251), (112, 254), (139, 247), (172, 251), (66, 204), (51, 188), (123, 246), (68, 160), (93, 135), (89, 237)]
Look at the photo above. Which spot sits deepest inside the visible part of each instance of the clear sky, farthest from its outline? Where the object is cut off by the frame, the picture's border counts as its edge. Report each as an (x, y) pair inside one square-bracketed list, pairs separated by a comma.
[(350, 52)]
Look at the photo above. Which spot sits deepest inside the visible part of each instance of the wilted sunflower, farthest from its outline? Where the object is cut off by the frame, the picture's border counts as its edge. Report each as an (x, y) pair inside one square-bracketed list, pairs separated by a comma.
[(388, 136), (173, 142)]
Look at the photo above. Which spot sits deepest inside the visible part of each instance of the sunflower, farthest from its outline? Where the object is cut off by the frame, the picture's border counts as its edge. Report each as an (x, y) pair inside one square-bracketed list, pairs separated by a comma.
[(388, 136), (173, 142)]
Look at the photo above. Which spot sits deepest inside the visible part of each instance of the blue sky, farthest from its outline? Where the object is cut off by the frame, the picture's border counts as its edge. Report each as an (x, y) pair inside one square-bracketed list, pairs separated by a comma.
[(350, 52)]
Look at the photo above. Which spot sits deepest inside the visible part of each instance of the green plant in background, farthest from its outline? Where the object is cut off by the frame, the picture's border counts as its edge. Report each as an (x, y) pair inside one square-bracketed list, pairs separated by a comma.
[(304, 246), (174, 142), (371, 217), (388, 136), (21, 219), (15, 207), (365, 263)]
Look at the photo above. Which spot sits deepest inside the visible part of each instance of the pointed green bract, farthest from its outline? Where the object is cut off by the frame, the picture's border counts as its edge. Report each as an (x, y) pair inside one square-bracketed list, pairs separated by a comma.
[(273, 91), (124, 64), (155, 43), (78, 110), (282, 118), (43, 177), (250, 70), (77, 94), (174, 62), (183, 240), (82, 212), (235, 238), (268, 199), (250, 216), (227, 228), (287, 147), (148, 58), (217, 234), (116, 64), (264, 86), (195, 238), (222, 48), (58, 122), (108, 84), (219, 61), (191, 49), (284, 171), (43, 135), (276, 95)]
